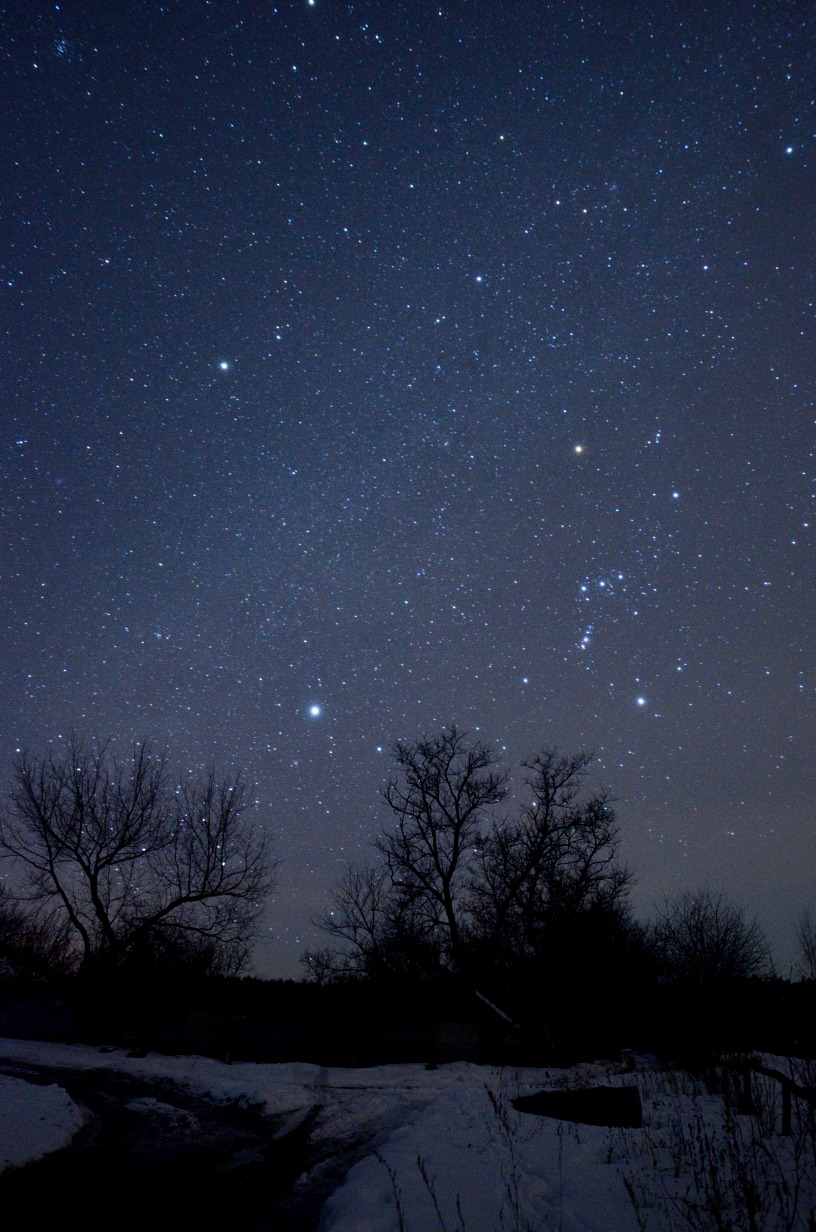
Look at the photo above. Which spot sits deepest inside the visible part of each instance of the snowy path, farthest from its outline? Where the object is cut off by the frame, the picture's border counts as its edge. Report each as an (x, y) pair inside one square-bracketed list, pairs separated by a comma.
[(469, 1154), (379, 1122)]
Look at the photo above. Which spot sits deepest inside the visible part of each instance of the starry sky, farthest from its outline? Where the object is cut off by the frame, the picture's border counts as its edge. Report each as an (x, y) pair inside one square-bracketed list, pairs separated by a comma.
[(368, 367)]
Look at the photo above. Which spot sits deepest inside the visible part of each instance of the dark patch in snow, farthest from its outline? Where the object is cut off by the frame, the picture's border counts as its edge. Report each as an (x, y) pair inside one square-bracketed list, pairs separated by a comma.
[(610, 1106)]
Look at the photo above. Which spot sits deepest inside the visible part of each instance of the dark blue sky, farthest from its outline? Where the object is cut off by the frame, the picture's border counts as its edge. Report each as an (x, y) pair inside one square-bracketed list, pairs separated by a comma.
[(420, 363)]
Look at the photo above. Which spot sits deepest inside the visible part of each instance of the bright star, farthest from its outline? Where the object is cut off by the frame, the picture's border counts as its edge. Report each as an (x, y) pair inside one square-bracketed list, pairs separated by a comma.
[(224, 365), (641, 701), (315, 711), (578, 449)]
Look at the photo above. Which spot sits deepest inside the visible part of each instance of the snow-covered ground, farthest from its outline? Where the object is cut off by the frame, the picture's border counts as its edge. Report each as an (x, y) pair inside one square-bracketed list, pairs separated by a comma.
[(34, 1120), (444, 1151), (483, 1171)]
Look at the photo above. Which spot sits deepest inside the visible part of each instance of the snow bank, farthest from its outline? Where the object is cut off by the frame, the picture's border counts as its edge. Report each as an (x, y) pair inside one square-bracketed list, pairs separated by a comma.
[(34, 1120)]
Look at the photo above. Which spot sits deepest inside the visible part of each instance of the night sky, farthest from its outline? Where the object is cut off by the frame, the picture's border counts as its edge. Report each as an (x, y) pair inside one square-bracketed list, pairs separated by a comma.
[(372, 367)]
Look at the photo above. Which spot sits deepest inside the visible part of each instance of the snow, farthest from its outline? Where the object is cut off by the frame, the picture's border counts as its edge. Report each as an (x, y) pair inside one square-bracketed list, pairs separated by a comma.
[(443, 1117), (444, 1148), (485, 1166), (34, 1120)]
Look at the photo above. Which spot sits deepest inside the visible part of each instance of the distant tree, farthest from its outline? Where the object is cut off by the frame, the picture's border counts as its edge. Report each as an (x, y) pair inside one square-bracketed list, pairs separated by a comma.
[(32, 947), (169, 951), (322, 966), (359, 919), (442, 799), (127, 864), (806, 936), (702, 938), (457, 887), (379, 930), (551, 875), (404, 914)]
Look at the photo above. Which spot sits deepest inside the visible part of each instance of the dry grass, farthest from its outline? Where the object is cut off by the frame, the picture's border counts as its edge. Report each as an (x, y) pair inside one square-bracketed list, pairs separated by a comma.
[(704, 1163)]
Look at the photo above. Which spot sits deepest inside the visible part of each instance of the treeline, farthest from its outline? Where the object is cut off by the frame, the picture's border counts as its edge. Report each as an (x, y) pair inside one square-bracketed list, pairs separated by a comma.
[(516, 898), (121, 870)]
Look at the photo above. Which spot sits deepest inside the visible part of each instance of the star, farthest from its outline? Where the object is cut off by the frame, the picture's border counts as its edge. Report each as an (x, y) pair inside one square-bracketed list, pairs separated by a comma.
[(381, 510)]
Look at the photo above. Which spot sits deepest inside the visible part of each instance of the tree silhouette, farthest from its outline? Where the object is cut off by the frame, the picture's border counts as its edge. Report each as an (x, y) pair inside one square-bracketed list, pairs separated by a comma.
[(552, 874), (442, 798), (702, 938), (30, 948), (806, 936), (127, 863), (381, 931), (457, 887)]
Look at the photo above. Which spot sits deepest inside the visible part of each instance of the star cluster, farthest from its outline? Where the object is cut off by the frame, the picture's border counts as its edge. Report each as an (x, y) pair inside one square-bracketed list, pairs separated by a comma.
[(372, 367)]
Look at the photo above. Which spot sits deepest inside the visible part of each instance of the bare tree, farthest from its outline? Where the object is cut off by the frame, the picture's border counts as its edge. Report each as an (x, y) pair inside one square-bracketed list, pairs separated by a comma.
[(556, 861), (701, 937), (442, 799), (31, 948), (357, 919), (124, 860), (455, 882), (806, 936), (379, 930)]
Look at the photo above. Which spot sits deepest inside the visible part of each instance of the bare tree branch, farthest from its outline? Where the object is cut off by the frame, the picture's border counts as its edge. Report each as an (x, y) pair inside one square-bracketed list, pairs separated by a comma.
[(442, 799), (556, 860), (806, 936), (121, 855), (701, 937)]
